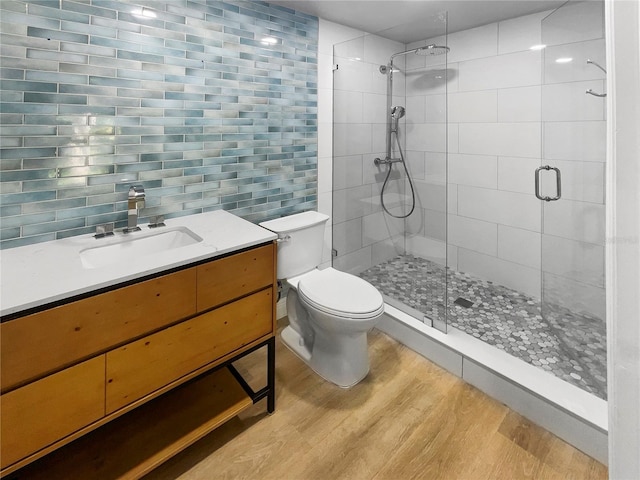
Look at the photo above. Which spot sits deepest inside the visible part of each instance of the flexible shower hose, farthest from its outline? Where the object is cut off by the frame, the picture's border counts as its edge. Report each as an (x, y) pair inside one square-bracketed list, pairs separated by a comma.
[(413, 193)]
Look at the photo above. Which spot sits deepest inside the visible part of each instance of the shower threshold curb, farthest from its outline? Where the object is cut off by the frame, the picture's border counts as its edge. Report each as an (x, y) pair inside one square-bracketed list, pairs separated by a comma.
[(565, 410)]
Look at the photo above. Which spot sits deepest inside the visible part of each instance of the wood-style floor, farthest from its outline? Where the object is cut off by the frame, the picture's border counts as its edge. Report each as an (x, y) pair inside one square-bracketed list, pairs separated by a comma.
[(408, 419)]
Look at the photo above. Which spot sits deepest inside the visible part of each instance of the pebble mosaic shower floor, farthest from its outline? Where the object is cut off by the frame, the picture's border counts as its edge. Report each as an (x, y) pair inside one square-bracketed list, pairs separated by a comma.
[(570, 346)]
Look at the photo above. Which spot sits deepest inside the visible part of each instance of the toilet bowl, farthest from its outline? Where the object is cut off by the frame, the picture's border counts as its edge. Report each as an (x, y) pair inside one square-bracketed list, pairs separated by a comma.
[(330, 312), (338, 310)]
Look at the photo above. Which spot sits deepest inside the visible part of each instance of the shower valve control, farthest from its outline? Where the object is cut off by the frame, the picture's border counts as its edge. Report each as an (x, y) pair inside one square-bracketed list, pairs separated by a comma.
[(385, 161)]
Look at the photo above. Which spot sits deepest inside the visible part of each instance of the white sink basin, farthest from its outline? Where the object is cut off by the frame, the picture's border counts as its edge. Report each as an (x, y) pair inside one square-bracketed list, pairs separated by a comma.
[(129, 247)]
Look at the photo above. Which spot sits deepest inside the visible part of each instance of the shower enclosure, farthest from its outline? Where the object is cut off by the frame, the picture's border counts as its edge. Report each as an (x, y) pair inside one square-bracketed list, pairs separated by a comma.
[(469, 185)]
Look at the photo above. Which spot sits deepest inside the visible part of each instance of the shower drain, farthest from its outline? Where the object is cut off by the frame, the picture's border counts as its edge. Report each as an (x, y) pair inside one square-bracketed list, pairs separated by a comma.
[(463, 302)]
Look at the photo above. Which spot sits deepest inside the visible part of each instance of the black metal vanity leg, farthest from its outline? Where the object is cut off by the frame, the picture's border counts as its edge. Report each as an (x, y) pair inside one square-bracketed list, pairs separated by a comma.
[(271, 374)]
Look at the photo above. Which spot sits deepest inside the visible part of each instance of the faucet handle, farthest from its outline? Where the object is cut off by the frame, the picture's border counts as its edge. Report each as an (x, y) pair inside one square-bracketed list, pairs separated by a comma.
[(104, 230), (157, 221)]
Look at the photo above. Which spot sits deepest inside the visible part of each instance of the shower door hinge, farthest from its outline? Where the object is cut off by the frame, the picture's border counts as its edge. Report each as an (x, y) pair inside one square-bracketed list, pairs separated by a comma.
[(335, 67), (334, 252)]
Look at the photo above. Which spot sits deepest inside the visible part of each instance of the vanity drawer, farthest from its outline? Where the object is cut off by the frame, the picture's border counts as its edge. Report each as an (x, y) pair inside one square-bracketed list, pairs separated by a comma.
[(232, 277), (143, 366), (46, 341), (42, 412)]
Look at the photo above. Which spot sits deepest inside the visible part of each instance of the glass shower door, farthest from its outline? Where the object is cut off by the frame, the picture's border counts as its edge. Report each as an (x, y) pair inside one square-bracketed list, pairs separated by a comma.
[(570, 185)]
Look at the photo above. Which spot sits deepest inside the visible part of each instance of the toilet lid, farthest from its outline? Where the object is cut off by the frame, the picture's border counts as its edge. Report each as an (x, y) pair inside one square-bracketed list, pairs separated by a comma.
[(341, 294)]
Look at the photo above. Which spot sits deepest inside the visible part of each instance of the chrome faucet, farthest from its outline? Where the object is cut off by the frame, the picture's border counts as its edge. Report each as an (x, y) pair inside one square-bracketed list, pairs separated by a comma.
[(134, 204)]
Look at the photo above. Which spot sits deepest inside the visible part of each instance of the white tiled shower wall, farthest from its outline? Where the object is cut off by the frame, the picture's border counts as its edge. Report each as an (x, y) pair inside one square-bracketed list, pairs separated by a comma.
[(360, 232), (510, 109), (353, 135)]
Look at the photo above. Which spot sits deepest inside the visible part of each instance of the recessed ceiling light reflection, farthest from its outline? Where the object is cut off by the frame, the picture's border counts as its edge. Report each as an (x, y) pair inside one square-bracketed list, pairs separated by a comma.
[(535, 48), (269, 41), (564, 60), (145, 12)]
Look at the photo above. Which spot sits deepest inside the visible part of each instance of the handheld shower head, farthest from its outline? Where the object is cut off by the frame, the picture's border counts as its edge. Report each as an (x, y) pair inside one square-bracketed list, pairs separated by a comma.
[(397, 112)]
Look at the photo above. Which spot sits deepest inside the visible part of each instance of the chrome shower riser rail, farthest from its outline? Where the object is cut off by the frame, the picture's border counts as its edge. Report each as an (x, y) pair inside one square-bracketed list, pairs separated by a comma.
[(389, 106)]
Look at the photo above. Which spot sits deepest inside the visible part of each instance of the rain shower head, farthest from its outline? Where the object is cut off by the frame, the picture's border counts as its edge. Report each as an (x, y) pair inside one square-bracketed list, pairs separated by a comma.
[(432, 50), (428, 50)]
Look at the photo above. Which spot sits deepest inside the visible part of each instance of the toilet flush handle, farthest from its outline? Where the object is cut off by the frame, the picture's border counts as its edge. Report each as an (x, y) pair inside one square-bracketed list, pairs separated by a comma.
[(286, 238)]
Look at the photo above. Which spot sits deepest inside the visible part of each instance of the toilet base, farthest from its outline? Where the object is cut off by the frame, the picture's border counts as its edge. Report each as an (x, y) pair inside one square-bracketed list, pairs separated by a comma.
[(342, 360), (293, 341)]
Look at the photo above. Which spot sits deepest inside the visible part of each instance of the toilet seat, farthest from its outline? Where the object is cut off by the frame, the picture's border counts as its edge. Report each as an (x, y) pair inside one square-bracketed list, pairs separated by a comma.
[(340, 294)]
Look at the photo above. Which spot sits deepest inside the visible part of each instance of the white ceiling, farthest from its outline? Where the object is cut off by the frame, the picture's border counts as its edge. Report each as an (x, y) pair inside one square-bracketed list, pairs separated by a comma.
[(411, 20)]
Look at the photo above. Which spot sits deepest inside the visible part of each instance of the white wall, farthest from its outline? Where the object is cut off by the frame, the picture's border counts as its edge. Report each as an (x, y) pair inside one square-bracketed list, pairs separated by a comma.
[(623, 238)]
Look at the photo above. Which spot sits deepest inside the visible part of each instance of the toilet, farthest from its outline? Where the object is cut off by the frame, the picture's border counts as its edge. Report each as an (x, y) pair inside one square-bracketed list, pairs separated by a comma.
[(330, 312)]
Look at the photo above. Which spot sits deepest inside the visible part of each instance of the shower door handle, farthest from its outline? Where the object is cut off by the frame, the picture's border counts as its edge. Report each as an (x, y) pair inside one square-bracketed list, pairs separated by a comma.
[(558, 184)]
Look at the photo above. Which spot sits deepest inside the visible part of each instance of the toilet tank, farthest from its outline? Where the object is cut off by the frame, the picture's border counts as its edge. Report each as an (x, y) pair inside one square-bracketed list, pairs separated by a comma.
[(300, 240)]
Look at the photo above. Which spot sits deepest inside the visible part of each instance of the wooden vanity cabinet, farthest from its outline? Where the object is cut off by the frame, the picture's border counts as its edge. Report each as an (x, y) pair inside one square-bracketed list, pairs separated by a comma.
[(143, 366), (45, 411), (234, 276), (74, 369), (46, 341)]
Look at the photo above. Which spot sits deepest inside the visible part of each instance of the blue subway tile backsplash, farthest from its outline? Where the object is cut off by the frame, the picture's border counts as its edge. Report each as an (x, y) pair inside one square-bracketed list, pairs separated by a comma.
[(208, 104)]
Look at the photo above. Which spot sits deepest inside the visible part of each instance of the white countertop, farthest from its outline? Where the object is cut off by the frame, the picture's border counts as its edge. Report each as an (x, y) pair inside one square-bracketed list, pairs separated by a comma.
[(39, 274)]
